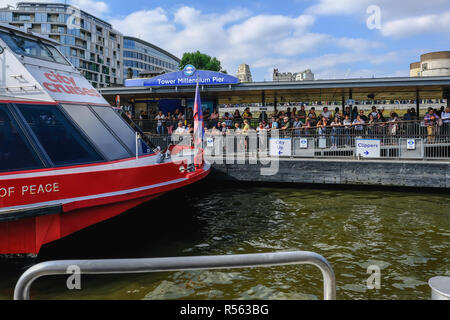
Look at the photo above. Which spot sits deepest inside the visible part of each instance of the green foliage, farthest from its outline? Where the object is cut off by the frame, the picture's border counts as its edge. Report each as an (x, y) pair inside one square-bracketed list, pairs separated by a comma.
[(201, 61)]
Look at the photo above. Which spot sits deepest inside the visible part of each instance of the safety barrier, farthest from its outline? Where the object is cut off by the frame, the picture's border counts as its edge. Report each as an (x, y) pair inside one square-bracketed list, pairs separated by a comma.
[(122, 266)]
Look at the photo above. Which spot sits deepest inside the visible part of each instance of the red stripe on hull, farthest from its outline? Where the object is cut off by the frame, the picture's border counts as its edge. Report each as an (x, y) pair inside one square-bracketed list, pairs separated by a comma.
[(29, 235)]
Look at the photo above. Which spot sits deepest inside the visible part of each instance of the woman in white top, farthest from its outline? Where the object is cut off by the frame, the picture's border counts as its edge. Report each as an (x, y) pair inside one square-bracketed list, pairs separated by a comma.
[(335, 132), (347, 129)]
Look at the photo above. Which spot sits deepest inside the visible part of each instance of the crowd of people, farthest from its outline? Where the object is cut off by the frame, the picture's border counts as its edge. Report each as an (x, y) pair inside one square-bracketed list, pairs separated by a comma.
[(302, 122)]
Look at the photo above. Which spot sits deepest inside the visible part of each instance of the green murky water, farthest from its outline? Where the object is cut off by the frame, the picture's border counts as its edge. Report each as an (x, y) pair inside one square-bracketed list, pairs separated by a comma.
[(406, 234)]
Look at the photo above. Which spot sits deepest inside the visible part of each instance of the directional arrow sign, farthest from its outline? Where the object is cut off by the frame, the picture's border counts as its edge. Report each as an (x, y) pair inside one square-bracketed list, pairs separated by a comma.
[(280, 147), (368, 148)]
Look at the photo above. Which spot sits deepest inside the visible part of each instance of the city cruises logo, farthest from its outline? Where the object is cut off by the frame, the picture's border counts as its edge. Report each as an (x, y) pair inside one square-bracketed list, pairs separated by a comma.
[(189, 70)]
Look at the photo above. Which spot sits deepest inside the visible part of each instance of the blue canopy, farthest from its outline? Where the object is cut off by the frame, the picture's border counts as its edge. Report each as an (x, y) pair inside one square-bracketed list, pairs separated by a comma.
[(181, 78)]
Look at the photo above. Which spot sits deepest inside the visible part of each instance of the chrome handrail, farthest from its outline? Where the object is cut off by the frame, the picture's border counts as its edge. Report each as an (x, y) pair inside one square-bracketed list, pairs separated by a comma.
[(120, 266)]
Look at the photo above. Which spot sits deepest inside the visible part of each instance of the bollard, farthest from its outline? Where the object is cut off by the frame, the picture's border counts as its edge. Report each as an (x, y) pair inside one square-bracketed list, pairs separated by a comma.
[(440, 288)]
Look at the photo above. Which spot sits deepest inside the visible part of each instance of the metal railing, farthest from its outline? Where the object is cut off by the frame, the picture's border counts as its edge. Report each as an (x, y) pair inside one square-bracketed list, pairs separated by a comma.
[(122, 266), (429, 142)]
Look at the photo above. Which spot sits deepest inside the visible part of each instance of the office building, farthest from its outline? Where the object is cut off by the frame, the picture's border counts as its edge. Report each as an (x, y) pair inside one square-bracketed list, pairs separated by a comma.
[(91, 44)]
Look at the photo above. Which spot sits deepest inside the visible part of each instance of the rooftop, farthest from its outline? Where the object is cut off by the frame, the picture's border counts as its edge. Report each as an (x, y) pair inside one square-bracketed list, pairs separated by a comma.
[(318, 90)]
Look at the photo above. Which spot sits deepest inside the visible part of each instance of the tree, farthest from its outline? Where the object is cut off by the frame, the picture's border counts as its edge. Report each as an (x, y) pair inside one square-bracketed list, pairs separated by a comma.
[(201, 61)]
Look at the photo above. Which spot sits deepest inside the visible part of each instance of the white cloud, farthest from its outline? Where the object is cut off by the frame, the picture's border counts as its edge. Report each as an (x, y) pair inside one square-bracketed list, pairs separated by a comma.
[(96, 8), (389, 9), (236, 36), (412, 26), (5, 3), (398, 18), (341, 65), (269, 27)]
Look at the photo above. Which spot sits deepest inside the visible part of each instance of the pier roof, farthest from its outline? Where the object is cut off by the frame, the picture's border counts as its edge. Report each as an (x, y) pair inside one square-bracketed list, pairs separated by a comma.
[(401, 88)]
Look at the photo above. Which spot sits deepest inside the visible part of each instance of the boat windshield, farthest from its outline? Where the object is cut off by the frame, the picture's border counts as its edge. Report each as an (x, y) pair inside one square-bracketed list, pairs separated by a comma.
[(32, 48), (137, 129), (16, 153)]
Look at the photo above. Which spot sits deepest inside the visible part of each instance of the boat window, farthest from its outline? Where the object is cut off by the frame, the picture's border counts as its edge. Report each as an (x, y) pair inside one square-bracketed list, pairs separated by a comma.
[(32, 48), (15, 151), (64, 144), (146, 143), (97, 132), (115, 122)]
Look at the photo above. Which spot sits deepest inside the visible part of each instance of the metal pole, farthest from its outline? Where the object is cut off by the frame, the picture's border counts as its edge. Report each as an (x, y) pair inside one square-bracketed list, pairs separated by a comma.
[(417, 105), (22, 289), (137, 146)]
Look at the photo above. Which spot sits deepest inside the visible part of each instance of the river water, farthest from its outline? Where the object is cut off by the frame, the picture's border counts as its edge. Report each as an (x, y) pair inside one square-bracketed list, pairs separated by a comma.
[(405, 234)]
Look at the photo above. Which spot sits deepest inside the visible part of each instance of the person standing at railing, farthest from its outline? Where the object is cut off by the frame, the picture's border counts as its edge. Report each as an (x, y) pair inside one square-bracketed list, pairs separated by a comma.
[(170, 123), (430, 121), (326, 114), (246, 127), (374, 112), (247, 115), (354, 113), (274, 125), (380, 126), (302, 113), (305, 128), (180, 129), (297, 125), (445, 116), (237, 128), (370, 126), (338, 113), (408, 126), (160, 122), (347, 112), (263, 117), (286, 125), (312, 117), (293, 114), (336, 129), (261, 132), (322, 127), (358, 124), (228, 118), (393, 125), (214, 118), (237, 117), (363, 116), (288, 112), (261, 128), (347, 129)]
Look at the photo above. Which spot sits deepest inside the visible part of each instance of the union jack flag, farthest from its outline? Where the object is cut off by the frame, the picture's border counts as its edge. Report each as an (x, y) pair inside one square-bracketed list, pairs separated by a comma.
[(199, 129)]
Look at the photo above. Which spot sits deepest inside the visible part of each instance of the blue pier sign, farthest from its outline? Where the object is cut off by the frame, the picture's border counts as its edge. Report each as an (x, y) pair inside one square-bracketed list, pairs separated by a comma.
[(187, 77)]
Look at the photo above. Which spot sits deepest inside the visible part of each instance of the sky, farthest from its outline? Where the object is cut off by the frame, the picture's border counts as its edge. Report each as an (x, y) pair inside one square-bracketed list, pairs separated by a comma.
[(333, 38)]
